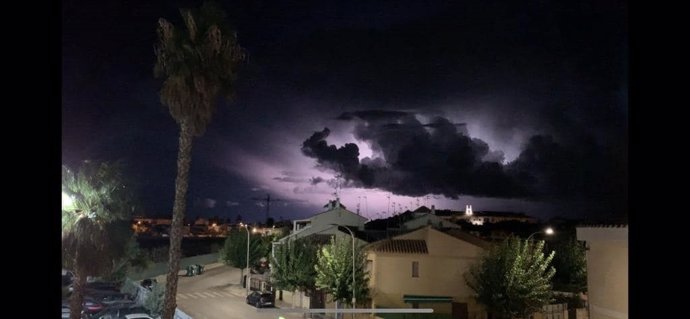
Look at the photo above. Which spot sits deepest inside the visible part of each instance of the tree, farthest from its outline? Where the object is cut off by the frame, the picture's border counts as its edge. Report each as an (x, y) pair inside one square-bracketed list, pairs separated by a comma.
[(293, 266), (94, 198), (513, 279), (334, 271), (154, 299), (198, 64), (571, 263), (133, 258), (234, 252)]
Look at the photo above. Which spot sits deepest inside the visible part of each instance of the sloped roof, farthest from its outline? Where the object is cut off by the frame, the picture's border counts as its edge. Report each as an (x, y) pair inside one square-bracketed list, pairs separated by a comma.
[(462, 235), (340, 208), (422, 209), (622, 225), (401, 246), (431, 218)]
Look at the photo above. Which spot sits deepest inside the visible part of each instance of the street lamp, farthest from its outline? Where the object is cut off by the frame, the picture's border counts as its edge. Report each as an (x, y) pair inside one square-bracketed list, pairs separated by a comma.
[(67, 201), (549, 231), (246, 281), (354, 299)]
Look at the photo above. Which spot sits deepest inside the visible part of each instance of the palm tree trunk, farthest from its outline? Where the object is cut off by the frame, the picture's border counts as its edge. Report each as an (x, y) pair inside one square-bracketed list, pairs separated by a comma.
[(77, 297), (184, 159)]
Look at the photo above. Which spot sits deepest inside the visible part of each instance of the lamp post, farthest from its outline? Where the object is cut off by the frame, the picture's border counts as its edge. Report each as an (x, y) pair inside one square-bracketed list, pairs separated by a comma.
[(246, 282), (548, 231), (354, 299)]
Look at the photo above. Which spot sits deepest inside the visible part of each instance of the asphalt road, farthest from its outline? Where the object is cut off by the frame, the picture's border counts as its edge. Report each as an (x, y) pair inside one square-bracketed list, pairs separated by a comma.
[(217, 294)]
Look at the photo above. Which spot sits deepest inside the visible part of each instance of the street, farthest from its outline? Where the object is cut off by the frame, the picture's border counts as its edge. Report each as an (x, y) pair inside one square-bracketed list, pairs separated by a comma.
[(218, 294)]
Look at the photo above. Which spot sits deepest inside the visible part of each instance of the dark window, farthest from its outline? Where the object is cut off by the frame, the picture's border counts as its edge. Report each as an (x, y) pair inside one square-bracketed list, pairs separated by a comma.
[(415, 269)]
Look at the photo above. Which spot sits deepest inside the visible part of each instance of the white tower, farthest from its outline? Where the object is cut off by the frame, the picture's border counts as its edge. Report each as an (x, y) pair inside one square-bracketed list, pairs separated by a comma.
[(468, 210)]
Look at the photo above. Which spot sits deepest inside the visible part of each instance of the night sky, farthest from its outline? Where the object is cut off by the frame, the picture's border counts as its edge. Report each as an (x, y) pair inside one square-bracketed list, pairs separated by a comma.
[(515, 106)]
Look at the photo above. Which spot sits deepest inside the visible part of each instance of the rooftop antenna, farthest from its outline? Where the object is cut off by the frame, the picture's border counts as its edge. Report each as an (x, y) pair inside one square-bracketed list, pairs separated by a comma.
[(337, 186), (267, 201), (388, 208), (366, 206)]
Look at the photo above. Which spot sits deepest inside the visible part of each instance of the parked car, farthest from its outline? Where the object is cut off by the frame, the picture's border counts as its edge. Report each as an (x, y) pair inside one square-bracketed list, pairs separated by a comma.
[(65, 310), (116, 298), (67, 279), (261, 299), (101, 285), (117, 312), (138, 316), (92, 306)]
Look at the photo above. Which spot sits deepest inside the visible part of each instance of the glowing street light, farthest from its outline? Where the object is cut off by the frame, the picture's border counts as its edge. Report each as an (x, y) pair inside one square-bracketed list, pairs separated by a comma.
[(246, 281), (67, 201), (548, 231)]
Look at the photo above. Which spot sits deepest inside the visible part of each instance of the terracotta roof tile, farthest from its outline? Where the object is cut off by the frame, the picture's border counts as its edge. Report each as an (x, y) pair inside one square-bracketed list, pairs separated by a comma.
[(402, 246)]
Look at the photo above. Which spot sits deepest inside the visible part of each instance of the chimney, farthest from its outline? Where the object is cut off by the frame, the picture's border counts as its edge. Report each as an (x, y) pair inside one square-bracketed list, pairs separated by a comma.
[(433, 210)]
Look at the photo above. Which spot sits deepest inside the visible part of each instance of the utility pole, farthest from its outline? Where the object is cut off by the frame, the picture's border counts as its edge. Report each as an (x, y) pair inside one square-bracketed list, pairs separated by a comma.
[(267, 201)]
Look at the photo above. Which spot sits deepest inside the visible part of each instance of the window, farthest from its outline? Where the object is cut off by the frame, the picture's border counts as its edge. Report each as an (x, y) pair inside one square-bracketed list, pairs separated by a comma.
[(415, 269)]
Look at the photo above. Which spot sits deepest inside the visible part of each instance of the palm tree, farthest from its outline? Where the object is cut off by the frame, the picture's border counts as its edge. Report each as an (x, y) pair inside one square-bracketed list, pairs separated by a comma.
[(198, 65), (94, 199)]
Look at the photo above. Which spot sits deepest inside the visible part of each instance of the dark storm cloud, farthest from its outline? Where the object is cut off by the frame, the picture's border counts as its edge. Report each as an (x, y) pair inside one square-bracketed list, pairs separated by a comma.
[(418, 159), (343, 159), (581, 169), (439, 158), (373, 115), (316, 180), (553, 68)]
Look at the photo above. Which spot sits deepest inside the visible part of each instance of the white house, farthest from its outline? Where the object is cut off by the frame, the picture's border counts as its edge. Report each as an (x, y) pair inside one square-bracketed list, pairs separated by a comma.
[(325, 223)]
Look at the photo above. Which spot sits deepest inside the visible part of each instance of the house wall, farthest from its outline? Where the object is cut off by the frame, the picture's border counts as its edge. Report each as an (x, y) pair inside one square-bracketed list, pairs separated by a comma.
[(441, 244), (337, 216), (607, 271), (441, 273)]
